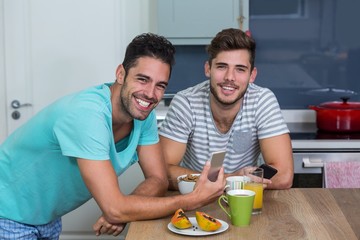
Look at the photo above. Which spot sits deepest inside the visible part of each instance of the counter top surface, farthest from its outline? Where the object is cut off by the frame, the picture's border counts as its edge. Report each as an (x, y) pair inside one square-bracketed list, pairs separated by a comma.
[(297, 213)]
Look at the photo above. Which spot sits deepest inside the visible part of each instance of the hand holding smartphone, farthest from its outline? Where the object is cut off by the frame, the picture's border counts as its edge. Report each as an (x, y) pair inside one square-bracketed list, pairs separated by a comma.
[(217, 159), (269, 171)]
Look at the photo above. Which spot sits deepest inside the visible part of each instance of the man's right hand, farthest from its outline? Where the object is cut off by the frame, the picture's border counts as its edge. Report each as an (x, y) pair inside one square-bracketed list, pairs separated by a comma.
[(104, 227), (207, 191)]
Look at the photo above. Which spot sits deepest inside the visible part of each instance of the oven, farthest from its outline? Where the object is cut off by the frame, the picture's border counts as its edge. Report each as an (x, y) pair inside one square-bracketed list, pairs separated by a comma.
[(312, 149)]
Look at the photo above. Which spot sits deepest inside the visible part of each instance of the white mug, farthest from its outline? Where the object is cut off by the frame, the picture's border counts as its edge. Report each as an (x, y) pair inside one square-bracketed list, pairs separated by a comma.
[(235, 182)]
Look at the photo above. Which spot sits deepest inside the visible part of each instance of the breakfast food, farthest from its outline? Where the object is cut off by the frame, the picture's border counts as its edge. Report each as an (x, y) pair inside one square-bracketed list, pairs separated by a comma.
[(206, 222), (180, 220), (190, 178)]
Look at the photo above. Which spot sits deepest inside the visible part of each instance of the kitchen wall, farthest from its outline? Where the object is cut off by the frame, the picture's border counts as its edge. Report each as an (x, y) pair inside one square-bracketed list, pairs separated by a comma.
[(305, 58)]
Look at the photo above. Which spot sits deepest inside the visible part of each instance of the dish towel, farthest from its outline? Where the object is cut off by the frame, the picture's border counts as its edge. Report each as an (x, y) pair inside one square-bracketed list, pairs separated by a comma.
[(342, 174)]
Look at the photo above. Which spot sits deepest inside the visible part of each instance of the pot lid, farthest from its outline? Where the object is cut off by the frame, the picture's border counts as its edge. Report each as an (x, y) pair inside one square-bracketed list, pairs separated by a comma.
[(344, 105), (331, 92)]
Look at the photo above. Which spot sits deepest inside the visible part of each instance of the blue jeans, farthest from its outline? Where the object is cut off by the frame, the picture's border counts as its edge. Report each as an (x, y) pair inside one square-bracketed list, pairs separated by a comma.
[(10, 230)]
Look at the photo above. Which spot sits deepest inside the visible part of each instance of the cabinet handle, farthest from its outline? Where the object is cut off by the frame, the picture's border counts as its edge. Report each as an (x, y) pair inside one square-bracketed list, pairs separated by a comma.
[(315, 162)]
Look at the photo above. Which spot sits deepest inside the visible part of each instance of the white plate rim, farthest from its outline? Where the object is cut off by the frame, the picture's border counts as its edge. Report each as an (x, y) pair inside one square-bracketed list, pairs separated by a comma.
[(198, 232)]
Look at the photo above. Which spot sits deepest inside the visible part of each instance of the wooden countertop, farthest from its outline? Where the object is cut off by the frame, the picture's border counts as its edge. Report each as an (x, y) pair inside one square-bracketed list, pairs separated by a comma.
[(297, 213)]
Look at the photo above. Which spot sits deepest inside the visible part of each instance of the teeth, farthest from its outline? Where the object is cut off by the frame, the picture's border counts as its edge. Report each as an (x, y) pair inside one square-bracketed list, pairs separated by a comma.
[(143, 103), (228, 88)]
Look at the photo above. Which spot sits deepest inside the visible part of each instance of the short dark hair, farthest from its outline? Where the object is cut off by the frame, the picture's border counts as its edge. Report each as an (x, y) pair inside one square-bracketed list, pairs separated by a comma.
[(149, 45), (231, 39)]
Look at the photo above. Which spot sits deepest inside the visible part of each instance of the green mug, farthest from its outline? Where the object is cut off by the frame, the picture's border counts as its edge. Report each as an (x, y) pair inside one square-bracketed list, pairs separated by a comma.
[(240, 204)]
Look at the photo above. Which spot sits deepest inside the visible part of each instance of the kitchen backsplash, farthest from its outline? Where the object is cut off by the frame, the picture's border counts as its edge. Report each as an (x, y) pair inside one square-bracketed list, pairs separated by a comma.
[(306, 58)]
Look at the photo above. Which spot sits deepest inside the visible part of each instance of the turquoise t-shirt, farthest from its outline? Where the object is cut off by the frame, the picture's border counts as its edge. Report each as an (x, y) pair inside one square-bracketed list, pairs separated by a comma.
[(39, 176)]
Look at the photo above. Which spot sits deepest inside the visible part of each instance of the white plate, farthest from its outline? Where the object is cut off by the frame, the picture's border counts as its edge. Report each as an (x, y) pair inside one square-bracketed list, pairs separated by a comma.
[(195, 229)]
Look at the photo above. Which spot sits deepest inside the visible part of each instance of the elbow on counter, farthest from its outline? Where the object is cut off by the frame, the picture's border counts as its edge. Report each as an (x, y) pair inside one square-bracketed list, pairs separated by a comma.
[(283, 182), (116, 214), (286, 182)]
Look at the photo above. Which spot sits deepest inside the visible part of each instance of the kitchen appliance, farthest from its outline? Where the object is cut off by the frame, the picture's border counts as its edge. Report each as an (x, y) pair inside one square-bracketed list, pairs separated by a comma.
[(312, 148)]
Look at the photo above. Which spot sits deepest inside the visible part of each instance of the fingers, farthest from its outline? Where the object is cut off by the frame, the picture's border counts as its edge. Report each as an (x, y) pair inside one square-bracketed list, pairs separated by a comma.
[(103, 227), (206, 167), (221, 175), (248, 169), (205, 171), (112, 229), (98, 225), (266, 182), (118, 230), (221, 179)]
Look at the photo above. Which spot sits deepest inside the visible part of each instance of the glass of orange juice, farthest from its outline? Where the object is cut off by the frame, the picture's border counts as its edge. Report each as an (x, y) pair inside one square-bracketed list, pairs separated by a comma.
[(254, 183)]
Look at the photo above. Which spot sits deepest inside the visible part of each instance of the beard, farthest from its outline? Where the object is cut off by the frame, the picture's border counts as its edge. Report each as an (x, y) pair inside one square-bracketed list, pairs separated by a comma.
[(128, 107), (224, 101)]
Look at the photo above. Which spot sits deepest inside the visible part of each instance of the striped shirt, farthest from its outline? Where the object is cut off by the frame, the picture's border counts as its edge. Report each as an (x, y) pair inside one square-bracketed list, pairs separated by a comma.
[(189, 120)]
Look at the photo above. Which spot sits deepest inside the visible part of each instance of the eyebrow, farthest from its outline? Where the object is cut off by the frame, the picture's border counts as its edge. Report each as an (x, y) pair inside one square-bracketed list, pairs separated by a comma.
[(142, 75), (237, 65), (149, 78)]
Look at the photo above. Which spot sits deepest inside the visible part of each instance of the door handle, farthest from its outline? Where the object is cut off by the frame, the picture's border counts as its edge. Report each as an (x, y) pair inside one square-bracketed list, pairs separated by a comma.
[(16, 104)]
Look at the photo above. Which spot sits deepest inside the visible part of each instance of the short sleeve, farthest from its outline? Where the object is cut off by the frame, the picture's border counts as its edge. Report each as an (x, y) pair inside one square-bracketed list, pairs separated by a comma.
[(178, 122), (84, 134)]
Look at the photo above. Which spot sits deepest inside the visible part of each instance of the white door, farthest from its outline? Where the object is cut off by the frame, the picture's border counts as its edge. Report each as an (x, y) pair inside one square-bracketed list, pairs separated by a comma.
[(56, 47), (49, 48)]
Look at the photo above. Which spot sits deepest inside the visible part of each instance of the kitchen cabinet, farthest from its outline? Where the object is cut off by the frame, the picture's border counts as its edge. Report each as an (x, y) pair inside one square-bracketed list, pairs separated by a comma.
[(189, 22)]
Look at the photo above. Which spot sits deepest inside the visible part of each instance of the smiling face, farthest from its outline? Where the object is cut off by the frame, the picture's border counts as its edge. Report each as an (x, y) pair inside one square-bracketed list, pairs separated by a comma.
[(143, 87), (230, 76)]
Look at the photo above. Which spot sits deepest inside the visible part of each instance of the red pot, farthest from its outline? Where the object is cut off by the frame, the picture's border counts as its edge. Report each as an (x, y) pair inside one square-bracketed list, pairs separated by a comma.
[(338, 116)]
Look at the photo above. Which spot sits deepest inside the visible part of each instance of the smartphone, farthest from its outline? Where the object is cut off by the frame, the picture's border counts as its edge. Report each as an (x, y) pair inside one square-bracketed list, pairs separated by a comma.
[(217, 159), (269, 171)]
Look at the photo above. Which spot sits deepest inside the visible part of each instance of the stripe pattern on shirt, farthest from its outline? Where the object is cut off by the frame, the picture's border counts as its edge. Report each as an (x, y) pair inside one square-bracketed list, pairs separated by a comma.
[(189, 120)]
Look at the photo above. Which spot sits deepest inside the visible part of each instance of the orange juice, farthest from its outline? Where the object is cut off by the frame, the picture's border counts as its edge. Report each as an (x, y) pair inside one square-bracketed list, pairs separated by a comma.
[(258, 200)]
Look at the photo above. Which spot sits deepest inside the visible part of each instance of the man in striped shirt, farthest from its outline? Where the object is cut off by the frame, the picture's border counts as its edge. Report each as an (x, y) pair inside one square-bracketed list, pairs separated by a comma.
[(227, 112)]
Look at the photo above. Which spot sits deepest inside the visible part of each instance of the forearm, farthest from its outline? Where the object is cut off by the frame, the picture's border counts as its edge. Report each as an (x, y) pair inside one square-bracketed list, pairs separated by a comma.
[(151, 187), (135, 207), (138, 207), (277, 152)]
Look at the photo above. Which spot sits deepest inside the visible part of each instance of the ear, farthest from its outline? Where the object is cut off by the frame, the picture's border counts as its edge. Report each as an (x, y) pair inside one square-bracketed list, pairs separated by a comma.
[(207, 69), (253, 75), (120, 74)]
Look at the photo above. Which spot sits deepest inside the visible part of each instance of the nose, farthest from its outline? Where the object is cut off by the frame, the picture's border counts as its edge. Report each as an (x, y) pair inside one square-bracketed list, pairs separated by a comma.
[(230, 75), (150, 93)]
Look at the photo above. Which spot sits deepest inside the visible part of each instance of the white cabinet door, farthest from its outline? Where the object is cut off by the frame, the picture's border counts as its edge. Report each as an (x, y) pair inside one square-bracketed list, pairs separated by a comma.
[(198, 21)]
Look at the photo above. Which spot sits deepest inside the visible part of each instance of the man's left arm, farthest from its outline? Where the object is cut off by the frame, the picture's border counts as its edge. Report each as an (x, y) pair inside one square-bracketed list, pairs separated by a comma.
[(153, 166), (277, 152), (155, 184)]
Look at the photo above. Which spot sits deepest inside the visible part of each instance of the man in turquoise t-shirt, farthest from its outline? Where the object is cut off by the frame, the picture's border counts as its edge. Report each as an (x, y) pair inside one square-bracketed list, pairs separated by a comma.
[(75, 148)]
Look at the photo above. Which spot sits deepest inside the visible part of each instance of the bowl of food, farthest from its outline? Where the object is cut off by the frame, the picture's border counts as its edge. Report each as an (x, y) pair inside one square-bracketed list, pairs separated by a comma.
[(187, 182)]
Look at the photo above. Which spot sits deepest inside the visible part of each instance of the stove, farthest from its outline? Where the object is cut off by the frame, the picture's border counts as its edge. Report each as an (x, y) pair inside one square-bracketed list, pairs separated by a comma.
[(306, 136), (321, 135), (313, 148)]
